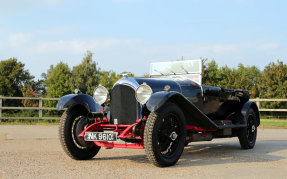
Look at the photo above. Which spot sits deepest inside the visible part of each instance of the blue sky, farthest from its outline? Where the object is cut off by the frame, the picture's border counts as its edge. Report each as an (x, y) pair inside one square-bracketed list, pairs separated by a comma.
[(126, 35)]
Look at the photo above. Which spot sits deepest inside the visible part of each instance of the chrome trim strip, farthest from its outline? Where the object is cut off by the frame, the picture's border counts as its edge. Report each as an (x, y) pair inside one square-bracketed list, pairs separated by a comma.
[(128, 81)]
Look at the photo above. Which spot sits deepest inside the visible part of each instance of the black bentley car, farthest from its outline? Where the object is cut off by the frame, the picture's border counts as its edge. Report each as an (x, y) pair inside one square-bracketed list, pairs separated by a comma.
[(161, 114)]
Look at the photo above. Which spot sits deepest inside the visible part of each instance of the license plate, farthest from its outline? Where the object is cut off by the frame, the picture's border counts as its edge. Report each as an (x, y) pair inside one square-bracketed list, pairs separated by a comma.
[(101, 136)]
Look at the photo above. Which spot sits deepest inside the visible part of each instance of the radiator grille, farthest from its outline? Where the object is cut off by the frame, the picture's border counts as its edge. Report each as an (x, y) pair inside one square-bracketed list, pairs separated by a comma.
[(123, 105)]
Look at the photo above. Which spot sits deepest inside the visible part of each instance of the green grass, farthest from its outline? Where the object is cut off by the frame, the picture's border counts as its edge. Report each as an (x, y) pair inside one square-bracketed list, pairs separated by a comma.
[(274, 123)]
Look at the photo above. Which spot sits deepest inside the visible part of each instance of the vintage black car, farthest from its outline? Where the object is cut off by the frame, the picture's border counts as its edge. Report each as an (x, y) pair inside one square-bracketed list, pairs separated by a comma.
[(161, 114)]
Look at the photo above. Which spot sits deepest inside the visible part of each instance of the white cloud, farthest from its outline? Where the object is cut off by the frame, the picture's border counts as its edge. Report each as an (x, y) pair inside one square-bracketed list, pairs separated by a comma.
[(197, 50), (80, 46), (11, 6), (132, 48), (57, 30), (223, 48), (127, 54), (268, 46), (18, 39)]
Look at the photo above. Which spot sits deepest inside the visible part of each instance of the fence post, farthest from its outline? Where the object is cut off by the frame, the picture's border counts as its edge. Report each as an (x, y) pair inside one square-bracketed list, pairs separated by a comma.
[(0, 107), (40, 108), (258, 103)]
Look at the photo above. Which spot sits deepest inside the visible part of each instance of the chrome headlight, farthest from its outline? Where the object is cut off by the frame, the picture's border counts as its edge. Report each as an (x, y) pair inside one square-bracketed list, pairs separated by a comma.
[(101, 94), (143, 93)]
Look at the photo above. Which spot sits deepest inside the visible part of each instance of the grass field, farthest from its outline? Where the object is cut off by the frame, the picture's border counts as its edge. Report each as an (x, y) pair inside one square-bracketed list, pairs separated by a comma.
[(274, 123)]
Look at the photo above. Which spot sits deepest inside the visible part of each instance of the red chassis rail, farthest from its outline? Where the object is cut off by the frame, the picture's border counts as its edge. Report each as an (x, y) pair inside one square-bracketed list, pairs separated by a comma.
[(124, 131)]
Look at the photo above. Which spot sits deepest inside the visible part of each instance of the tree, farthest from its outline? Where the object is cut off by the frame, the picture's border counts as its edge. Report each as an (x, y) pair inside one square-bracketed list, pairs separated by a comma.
[(58, 81), (109, 78), (32, 89), (85, 76), (246, 77), (234, 78), (106, 79), (210, 75), (13, 77), (254, 92), (273, 84)]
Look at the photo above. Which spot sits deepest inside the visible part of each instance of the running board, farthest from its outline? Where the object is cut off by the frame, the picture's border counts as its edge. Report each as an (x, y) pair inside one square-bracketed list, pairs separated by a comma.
[(226, 124)]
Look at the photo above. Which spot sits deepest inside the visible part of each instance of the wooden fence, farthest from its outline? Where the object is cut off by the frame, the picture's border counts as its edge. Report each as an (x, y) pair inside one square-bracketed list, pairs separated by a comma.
[(258, 100), (40, 107)]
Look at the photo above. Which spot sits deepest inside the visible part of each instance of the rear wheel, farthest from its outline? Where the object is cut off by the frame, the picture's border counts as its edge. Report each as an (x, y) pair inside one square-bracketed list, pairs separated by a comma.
[(73, 122), (247, 135), (164, 135)]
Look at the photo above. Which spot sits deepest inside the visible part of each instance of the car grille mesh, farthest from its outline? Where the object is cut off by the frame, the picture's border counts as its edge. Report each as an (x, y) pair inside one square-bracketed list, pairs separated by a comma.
[(123, 105)]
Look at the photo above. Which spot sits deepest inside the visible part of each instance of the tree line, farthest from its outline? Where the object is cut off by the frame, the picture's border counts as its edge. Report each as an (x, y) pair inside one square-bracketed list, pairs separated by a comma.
[(60, 79)]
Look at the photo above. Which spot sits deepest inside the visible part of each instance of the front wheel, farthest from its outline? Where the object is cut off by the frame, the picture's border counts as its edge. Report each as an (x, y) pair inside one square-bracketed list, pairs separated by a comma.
[(164, 135), (73, 122)]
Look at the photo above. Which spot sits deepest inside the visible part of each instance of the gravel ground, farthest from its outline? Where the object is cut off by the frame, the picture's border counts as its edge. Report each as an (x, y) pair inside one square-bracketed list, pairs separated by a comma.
[(35, 152)]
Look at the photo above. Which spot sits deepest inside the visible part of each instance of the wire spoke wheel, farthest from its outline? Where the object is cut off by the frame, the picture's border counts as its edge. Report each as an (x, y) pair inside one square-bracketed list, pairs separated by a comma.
[(72, 123), (168, 134), (164, 135), (78, 126)]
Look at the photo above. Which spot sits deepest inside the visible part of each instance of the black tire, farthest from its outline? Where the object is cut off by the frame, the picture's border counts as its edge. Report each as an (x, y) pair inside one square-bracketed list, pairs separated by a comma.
[(164, 135), (72, 123), (247, 135)]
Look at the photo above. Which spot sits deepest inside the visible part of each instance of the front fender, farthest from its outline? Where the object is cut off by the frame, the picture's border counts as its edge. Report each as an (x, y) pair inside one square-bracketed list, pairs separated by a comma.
[(158, 99), (83, 99)]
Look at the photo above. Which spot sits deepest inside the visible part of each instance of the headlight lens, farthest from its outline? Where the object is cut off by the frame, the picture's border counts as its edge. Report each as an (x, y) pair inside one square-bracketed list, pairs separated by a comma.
[(101, 94), (143, 93)]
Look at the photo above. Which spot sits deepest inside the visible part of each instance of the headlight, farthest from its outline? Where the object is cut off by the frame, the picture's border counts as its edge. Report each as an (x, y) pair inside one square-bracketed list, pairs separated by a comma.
[(143, 93), (101, 94)]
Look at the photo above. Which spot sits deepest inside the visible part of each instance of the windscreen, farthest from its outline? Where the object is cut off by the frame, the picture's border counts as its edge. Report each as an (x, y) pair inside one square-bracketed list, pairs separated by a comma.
[(190, 69)]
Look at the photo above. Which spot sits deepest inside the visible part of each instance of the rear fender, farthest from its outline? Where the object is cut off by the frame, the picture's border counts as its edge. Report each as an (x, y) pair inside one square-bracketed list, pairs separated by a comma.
[(193, 115), (74, 99), (246, 107)]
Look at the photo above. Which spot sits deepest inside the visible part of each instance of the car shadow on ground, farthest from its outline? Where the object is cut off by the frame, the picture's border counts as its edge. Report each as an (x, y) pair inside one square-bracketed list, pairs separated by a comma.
[(220, 153), (196, 154), (223, 153)]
